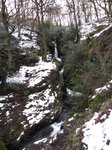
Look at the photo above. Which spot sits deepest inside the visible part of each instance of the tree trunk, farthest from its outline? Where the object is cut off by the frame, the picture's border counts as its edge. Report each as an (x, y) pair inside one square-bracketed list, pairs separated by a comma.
[(84, 9), (9, 52), (95, 8), (6, 27), (76, 22), (110, 8), (106, 9), (39, 27), (43, 36)]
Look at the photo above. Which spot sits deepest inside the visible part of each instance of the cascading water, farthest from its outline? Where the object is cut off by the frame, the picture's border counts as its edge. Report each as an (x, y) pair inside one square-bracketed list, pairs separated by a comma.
[(56, 52), (72, 93), (51, 130), (57, 57), (62, 71)]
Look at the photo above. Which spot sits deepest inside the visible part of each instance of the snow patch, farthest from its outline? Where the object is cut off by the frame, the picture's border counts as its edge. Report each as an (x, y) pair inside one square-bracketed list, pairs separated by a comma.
[(25, 40), (2, 98), (101, 89), (32, 75), (98, 135), (71, 119), (77, 130), (98, 34), (1, 105), (7, 114), (37, 106), (90, 27)]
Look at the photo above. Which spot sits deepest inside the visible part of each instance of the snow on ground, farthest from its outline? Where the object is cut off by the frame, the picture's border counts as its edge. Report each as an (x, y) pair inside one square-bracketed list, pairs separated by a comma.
[(97, 34), (98, 135), (70, 119), (37, 106), (25, 40), (53, 136), (1, 105), (32, 74), (90, 27), (5, 97), (102, 89)]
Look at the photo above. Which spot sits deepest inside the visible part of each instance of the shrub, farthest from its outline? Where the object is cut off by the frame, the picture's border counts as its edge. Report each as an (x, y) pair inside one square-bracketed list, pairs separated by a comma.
[(94, 105), (14, 86), (33, 57), (53, 33)]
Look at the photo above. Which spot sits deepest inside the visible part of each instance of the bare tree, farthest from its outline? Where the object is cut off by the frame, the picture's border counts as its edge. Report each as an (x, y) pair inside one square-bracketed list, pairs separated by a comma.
[(53, 13), (41, 7), (68, 4), (106, 5), (71, 4), (95, 8), (86, 10)]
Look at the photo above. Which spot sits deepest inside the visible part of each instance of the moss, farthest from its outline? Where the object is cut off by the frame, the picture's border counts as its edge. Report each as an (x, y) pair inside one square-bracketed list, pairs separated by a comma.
[(13, 87), (80, 115), (20, 119), (95, 104), (12, 129), (26, 93), (89, 115), (2, 146), (73, 140)]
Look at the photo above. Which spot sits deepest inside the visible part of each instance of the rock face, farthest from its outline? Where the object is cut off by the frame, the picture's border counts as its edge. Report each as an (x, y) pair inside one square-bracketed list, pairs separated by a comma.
[(74, 99), (34, 102)]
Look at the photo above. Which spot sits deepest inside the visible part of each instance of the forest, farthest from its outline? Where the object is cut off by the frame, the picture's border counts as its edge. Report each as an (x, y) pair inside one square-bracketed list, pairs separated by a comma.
[(55, 74)]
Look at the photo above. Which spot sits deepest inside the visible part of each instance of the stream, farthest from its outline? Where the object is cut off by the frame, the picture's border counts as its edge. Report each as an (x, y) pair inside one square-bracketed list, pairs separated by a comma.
[(50, 131)]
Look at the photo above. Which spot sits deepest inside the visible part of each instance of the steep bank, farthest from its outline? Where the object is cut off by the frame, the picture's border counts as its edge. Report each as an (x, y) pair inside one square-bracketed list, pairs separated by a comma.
[(35, 96), (91, 129)]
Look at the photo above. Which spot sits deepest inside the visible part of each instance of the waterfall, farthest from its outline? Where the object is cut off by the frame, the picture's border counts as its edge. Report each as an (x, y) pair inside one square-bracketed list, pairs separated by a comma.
[(72, 93), (56, 52), (62, 71)]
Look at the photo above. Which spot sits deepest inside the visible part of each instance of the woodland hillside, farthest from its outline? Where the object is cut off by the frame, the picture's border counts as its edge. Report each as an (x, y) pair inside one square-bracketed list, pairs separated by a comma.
[(55, 75)]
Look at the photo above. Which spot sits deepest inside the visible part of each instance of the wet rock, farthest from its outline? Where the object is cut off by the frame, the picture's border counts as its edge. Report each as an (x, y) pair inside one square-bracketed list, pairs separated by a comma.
[(74, 99)]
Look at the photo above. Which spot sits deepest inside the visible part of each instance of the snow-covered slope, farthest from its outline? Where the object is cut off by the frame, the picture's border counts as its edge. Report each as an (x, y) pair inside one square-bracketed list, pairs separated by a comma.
[(92, 129), (32, 75), (94, 29), (98, 132), (35, 99), (27, 39)]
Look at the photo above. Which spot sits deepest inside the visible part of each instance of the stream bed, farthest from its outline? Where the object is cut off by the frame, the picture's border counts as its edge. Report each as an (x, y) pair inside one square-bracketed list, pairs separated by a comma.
[(49, 133), (46, 135)]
